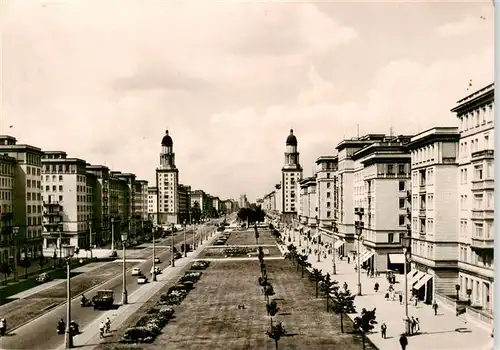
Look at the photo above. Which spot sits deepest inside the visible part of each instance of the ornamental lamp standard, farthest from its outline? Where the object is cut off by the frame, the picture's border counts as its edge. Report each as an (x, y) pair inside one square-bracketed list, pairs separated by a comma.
[(15, 231), (317, 238), (153, 277), (68, 251), (124, 274), (185, 246), (359, 231), (112, 234), (172, 261), (406, 242), (334, 249)]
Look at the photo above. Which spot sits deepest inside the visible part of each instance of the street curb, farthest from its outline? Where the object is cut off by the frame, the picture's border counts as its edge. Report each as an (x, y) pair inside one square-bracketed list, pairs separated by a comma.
[(85, 291)]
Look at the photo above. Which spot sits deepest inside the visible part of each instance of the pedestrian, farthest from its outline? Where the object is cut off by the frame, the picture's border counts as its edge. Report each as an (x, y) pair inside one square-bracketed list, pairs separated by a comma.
[(345, 286), (435, 307), (416, 301), (414, 326), (403, 341), (383, 330), (417, 325), (3, 327), (400, 299), (386, 296), (376, 287), (348, 259)]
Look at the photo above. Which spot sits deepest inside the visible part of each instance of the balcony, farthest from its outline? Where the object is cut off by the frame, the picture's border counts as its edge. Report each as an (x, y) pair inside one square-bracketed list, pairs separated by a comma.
[(484, 154), (359, 211), (421, 212), (482, 242), (482, 214), (52, 203), (408, 194), (480, 185), (52, 213), (51, 224), (422, 188)]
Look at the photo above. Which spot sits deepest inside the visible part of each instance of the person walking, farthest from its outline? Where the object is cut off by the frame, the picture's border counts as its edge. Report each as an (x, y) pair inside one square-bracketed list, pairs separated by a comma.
[(400, 299), (3, 327), (383, 330), (403, 341), (435, 307)]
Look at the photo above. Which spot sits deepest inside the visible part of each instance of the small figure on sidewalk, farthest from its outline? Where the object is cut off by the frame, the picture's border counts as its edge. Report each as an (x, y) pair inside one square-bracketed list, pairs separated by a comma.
[(386, 296), (417, 325), (416, 301), (400, 299), (403, 341), (383, 330), (435, 307), (3, 327), (348, 259), (345, 286), (376, 286)]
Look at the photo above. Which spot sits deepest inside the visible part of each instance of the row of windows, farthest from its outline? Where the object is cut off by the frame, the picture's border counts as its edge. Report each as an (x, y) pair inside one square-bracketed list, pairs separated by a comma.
[(33, 171), (6, 195), (6, 169), (7, 182), (476, 118), (33, 184), (475, 145)]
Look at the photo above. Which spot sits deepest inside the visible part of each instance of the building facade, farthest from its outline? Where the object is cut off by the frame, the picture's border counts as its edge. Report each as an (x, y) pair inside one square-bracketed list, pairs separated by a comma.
[(291, 174), (67, 209), (476, 198), (184, 192), (26, 197), (7, 173), (434, 230), (167, 179), (140, 206), (153, 204), (98, 183)]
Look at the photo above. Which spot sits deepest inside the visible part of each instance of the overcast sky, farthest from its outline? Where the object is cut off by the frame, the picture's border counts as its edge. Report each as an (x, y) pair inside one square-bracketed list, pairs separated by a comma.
[(103, 80)]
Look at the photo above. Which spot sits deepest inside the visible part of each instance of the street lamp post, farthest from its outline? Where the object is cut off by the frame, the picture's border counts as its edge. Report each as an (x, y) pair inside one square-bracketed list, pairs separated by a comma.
[(185, 246), (334, 258), (69, 251), (172, 246), (60, 229), (15, 231), (405, 242), (153, 275), (359, 230), (90, 238), (112, 234), (124, 271), (317, 238)]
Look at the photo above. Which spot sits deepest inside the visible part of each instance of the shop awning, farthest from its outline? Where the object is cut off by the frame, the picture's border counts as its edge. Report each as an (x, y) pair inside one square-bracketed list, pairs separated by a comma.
[(339, 243), (397, 258), (416, 277), (411, 274), (422, 281), (367, 256)]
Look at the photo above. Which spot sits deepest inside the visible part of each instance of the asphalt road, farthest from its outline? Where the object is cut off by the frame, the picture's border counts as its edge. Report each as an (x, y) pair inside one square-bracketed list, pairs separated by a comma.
[(41, 332)]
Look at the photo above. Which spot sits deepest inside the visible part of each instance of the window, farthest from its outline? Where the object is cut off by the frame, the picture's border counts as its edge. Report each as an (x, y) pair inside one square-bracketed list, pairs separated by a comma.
[(478, 201), (478, 172), (401, 169), (327, 175), (390, 238), (328, 185), (401, 220), (328, 204), (390, 169), (401, 185), (401, 203), (327, 194), (328, 214)]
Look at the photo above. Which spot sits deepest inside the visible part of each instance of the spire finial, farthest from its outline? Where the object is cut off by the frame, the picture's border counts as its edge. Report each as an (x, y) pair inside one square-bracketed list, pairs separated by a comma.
[(166, 132), (291, 131)]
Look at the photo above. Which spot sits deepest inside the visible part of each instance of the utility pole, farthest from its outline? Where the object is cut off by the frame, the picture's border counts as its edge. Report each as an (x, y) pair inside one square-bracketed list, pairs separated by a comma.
[(90, 239)]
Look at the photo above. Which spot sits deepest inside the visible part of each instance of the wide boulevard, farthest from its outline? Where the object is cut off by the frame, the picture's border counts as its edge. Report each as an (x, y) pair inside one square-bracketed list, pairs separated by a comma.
[(41, 332)]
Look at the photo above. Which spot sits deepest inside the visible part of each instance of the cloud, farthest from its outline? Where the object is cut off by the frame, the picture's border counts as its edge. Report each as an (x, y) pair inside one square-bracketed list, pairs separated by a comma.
[(468, 25), (103, 81)]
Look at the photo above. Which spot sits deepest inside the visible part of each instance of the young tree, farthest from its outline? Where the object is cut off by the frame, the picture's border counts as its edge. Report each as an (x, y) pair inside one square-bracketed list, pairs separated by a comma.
[(268, 291), (276, 333), (343, 303), (196, 212), (272, 309), (256, 234), (263, 271), (26, 264), (261, 255), (327, 287), (303, 262), (41, 262), (6, 270), (317, 276), (365, 323)]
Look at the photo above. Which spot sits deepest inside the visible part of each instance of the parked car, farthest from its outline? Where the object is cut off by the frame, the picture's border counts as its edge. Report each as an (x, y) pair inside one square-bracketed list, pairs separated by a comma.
[(113, 254), (157, 260), (177, 255), (142, 279), (43, 277), (136, 271), (103, 300), (157, 270)]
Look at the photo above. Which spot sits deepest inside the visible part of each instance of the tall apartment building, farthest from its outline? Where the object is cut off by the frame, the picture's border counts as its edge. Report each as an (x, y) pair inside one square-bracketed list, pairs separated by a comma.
[(184, 193), (26, 197), (7, 172), (119, 202), (167, 181), (345, 178), (65, 201), (197, 196), (278, 199), (326, 176), (476, 198), (98, 183), (140, 206), (153, 204), (381, 179), (291, 173), (307, 199), (434, 230), (243, 201)]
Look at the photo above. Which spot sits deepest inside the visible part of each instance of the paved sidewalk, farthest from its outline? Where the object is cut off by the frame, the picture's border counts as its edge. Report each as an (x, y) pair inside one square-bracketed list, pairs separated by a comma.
[(444, 331), (89, 338)]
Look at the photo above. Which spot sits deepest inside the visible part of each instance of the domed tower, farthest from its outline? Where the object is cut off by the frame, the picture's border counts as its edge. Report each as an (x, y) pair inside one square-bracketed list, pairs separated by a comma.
[(291, 174), (167, 182)]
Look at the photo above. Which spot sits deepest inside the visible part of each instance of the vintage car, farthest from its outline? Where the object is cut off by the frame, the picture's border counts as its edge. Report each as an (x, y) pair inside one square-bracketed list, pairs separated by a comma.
[(103, 300), (43, 277), (142, 279), (136, 271), (157, 260), (157, 270)]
